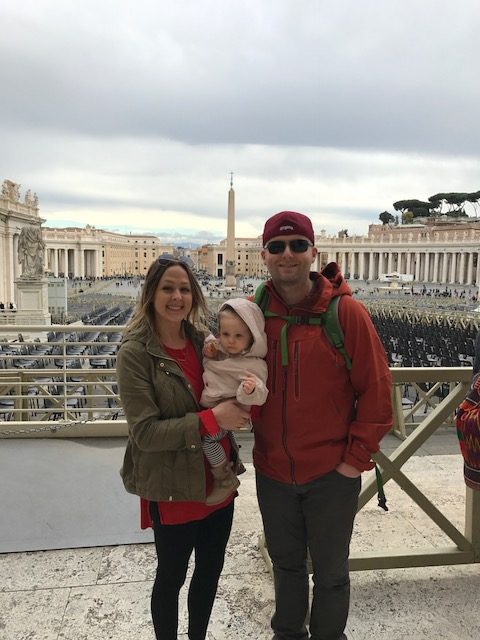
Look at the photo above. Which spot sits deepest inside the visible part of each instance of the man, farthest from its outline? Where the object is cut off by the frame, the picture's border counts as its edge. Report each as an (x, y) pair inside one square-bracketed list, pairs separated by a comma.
[(316, 432)]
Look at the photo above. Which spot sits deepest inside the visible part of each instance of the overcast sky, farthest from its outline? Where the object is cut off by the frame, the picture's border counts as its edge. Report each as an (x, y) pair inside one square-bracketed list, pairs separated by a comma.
[(129, 115)]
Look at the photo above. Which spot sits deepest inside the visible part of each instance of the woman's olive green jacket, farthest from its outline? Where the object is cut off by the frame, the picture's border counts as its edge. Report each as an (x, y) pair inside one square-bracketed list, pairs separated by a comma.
[(164, 457)]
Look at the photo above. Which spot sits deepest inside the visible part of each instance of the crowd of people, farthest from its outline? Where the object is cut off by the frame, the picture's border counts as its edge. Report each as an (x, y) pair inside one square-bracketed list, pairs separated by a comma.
[(10, 306)]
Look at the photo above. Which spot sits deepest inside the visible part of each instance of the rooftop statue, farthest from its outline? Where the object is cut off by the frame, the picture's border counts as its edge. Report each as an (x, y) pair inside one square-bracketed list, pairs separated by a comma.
[(11, 190), (31, 201), (31, 248)]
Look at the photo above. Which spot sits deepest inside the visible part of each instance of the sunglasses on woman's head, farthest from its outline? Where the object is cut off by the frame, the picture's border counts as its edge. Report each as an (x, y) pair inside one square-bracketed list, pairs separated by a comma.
[(296, 246), (165, 262)]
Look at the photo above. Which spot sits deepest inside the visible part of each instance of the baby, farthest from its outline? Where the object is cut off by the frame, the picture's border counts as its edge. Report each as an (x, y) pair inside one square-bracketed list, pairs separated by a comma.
[(233, 368)]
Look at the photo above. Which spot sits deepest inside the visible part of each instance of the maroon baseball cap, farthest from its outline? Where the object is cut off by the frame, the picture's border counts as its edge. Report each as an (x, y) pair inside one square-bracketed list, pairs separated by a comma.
[(288, 223)]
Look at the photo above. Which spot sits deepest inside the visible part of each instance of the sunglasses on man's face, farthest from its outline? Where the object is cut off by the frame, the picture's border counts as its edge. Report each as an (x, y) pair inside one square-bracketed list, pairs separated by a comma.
[(295, 246)]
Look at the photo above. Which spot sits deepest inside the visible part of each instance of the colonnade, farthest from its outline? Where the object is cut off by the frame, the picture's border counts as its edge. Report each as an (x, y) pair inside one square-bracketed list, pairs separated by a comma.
[(448, 266), (74, 262)]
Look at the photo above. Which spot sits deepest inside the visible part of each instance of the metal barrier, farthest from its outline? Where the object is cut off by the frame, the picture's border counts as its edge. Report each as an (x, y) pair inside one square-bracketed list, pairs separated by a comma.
[(65, 377)]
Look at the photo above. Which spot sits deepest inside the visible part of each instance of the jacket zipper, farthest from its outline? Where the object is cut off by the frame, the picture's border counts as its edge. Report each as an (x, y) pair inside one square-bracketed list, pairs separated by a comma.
[(274, 366), (295, 371), (284, 425)]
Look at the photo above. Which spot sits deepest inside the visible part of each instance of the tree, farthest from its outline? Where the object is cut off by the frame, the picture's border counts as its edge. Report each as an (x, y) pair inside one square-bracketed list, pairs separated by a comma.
[(455, 201), (473, 199), (437, 201), (417, 207), (386, 217)]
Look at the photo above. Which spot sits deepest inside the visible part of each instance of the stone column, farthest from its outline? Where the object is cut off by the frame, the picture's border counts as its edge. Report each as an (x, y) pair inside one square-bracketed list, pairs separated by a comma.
[(427, 275), (417, 266), (361, 268), (470, 268), (445, 267), (453, 267), (381, 259), (98, 263), (409, 263), (435, 267), (81, 263), (461, 275), (371, 265)]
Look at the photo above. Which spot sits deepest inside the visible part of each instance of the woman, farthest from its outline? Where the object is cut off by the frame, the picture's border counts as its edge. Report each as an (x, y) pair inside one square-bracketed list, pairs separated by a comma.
[(160, 382)]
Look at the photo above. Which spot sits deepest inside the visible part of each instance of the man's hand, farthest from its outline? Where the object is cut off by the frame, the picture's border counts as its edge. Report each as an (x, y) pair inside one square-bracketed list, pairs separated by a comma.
[(347, 470)]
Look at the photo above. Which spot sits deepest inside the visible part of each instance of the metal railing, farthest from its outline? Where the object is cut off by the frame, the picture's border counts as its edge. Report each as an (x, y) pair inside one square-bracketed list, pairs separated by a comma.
[(67, 394), (65, 377)]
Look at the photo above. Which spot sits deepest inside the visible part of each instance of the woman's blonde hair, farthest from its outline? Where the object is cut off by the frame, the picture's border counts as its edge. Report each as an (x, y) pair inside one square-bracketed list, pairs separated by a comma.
[(143, 318)]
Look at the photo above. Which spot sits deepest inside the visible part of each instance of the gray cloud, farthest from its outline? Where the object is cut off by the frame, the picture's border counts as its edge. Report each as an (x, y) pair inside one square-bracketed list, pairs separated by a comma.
[(324, 106), (372, 75)]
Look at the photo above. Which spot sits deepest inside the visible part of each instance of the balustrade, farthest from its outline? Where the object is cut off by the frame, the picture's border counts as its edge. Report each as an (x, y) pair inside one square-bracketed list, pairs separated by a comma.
[(67, 395)]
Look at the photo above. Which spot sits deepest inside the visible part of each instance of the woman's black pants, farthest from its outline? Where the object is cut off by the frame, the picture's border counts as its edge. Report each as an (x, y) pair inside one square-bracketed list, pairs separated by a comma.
[(174, 545)]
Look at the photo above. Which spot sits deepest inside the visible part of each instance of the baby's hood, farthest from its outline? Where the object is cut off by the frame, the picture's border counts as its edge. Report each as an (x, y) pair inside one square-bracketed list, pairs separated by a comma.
[(253, 317)]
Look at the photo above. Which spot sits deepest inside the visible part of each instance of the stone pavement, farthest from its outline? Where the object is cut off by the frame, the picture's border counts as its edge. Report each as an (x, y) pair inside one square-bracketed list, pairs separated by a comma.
[(102, 593)]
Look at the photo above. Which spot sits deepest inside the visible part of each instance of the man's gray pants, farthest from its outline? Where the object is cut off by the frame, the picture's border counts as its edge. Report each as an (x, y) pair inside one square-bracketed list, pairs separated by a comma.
[(319, 516)]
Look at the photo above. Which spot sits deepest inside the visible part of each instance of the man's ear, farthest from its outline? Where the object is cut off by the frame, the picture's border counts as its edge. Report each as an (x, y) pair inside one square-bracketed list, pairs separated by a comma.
[(262, 253), (314, 254)]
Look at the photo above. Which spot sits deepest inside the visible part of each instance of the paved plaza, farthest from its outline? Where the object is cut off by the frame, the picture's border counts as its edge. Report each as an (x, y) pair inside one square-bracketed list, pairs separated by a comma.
[(102, 592)]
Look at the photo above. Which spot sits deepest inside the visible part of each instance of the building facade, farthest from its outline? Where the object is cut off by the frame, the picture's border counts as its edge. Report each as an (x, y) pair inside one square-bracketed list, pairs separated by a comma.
[(91, 253), (438, 251), (247, 258), (15, 214)]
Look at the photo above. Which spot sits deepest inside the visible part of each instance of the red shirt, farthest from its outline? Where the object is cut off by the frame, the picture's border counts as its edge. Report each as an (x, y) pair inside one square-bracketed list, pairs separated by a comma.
[(182, 512)]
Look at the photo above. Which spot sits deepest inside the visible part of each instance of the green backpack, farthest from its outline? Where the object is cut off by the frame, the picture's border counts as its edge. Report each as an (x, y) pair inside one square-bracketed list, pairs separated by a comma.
[(331, 325)]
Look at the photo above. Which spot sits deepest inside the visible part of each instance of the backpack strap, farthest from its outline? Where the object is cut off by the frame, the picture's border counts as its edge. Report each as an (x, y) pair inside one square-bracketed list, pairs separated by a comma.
[(329, 320), (333, 330), (261, 297)]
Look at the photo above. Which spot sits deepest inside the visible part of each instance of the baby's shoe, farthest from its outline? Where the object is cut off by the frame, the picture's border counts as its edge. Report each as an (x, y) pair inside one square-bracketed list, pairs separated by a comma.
[(225, 482)]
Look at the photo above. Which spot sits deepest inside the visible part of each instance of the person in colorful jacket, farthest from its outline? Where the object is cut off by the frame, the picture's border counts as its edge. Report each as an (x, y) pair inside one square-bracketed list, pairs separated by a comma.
[(159, 371), (316, 432), (467, 421)]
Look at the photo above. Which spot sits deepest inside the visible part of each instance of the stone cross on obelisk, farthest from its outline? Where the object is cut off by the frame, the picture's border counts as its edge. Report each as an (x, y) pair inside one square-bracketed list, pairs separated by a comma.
[(230, 280)]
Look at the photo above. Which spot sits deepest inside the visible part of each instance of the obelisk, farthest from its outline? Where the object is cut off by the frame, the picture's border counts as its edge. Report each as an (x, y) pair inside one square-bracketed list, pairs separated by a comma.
[(230, 280)]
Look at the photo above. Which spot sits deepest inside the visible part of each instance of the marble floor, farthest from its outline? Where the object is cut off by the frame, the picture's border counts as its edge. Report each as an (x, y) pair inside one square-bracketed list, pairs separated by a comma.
[(102, 593)]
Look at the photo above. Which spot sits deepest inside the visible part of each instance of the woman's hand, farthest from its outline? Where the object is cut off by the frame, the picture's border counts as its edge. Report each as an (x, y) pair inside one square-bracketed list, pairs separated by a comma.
[(230, 415)]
